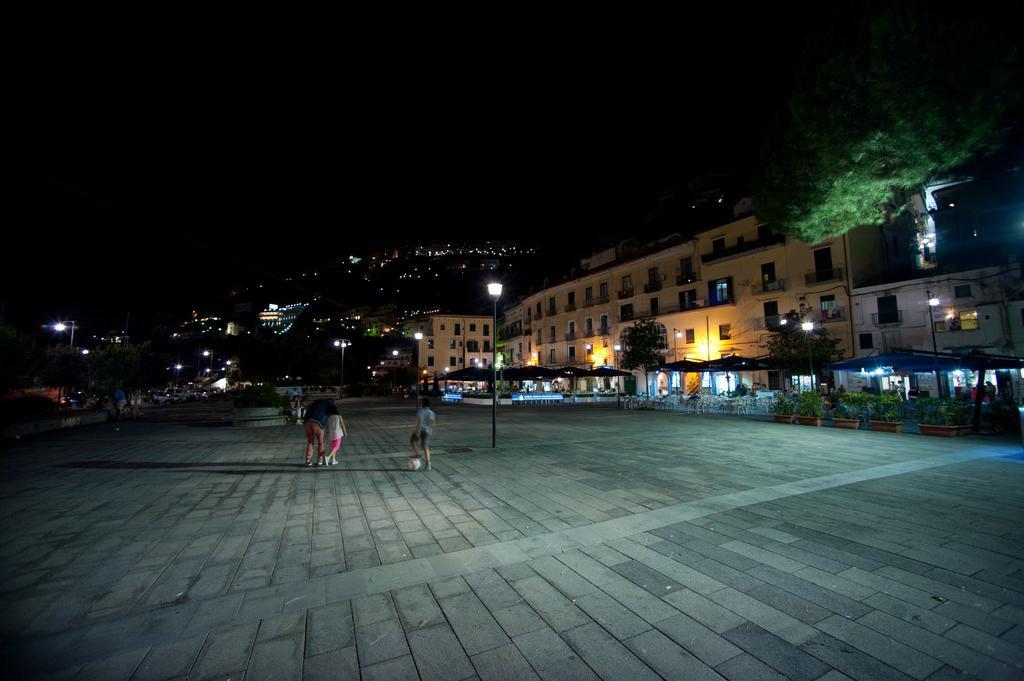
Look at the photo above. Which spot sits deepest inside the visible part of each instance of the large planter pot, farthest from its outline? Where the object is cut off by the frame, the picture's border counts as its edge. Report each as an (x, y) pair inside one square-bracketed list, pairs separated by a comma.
[(943, 431), (846, 423), (887, 426), (783, 418), (809, 420), (257, 417)]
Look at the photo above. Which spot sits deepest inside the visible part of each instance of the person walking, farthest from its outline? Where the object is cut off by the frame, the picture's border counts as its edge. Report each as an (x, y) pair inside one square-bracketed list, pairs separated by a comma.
[(119, 402), (425, 418), (335, 431), (314, 423)]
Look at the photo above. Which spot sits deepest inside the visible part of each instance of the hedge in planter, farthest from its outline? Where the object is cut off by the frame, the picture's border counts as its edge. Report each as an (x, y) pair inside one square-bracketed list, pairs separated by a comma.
[(809, 409), (851, 409), (782, 407), (886, 413), (264, 395), (943, 417)]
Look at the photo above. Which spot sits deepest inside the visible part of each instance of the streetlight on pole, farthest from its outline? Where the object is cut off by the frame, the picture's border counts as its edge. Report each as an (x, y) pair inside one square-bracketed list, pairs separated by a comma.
[(933, 301), (494, 290), (418, 336), (808, 327), (394, 370), (62, 326), (342, 343)]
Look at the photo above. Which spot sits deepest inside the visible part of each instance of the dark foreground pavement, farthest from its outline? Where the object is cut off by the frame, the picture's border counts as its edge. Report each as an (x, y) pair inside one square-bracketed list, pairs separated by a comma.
[(592, 543)]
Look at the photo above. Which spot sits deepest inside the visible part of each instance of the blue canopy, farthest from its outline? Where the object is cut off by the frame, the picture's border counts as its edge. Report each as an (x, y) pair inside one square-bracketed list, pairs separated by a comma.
[(920, 361)]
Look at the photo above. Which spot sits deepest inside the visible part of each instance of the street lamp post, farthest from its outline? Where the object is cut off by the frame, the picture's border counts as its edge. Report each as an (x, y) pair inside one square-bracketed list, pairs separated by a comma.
[(416, 364), (494, 290), (677, 334), (933, 301), (62, 326), (808, 327), (394, 370), (342, 343)]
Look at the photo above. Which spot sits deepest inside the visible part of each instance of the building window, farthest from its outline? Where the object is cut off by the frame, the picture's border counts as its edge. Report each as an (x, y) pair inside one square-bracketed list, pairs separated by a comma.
[(572, 328), (604, 323), (430, 360), (763, 232), (472, 346), (430, 344), (572, 353), (689, 336), (520, 349), (551, 305), (720, 291), (442, 327), (472, 328), (451, 361), (654, 307), (572, 297), (451, 344), (626, 312), (551, 355), (962, 291), (458, 329), (538, 309), (688, 299), (723, 331), (888, 313), (487, 345), (718, 245), (867, 341), (686, 267), (487, 329), (588, 294), (589, 326), (603, 290), (552, 335)]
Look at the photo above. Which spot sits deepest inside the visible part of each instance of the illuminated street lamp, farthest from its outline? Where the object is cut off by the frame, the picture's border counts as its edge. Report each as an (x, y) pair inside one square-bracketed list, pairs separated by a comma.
[(394, 371), (618, 389), (494, 290), (933, 301), (63, 326), (808, 327), (342, 343), (418, 336)]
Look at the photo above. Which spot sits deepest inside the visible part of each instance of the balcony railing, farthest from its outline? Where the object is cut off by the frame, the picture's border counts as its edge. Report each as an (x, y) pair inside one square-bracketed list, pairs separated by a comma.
[(763, 242), (601, 300), (652, 286), (571, 307), (588, 302), (599, 331), (727, 300), (627, 316), (625, 293), (821, 276), (768, 322), (836, 314), (770, 286), (884, 318), (552, 311), (570, 336), (685, 278)]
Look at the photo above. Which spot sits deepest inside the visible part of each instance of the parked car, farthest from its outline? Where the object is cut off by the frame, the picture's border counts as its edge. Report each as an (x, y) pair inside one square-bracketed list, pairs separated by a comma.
[(161, 397)]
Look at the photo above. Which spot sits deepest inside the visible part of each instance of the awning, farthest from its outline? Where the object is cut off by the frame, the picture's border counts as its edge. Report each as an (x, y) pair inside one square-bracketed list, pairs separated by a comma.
[(737, 363), (607, 372), (524, 373), (470, 374), (573, 372), (921, 361), (683, 365)]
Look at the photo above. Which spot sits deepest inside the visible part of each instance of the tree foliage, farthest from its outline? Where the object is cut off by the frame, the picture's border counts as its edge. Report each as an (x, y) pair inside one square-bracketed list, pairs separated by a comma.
[(65, 367), (20, 358), (788, 347), (881, 106), (116, 366), (642, 341)]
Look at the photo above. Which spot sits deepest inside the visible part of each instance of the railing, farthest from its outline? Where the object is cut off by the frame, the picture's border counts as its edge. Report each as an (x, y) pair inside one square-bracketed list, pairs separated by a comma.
[(602, 300), (570, 336), (763, 242), (627, 317), (773, 285), (625, 293), (552, 311), (695, 304), (836, 314), (604, 331), (652, 286), (728, 300), (883, 318), (589, 302), (821, 276), (685, 278), (571, 307)]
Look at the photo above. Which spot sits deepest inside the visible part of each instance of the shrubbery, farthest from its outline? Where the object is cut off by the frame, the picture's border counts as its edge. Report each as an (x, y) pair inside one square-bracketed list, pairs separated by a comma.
[(264, 395)]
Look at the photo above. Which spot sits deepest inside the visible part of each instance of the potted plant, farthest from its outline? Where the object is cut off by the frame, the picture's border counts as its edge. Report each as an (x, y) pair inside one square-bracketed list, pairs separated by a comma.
[(886, 413), (849, 410), (259, 405), (809, 409), (782, 408), (943, 417)]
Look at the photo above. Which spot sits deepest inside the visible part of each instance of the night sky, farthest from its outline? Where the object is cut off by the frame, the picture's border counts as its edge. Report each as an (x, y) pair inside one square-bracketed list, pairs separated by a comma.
[(143, 193)]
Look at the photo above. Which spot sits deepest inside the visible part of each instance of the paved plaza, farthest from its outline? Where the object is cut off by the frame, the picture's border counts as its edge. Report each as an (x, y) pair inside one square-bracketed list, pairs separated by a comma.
[(592, 543)]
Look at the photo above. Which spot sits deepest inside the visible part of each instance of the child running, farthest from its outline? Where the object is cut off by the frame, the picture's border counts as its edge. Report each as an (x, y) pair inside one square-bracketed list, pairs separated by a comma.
[(335, 431)]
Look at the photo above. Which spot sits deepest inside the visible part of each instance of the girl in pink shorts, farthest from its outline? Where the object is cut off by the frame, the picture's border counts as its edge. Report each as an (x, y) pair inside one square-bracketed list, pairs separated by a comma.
[(335, 431)]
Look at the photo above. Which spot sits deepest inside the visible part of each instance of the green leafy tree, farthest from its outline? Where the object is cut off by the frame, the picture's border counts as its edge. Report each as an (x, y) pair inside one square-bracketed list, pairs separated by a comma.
[(788, 347), (642, 341), (20, 358), (65, 367), (116, 366), (881, 106)]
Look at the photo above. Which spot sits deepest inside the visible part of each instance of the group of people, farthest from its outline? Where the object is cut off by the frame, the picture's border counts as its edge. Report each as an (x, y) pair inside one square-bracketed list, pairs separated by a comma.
[(322, 422)]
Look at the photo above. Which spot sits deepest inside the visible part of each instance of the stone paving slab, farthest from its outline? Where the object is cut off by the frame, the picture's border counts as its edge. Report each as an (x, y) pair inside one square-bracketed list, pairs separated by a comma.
[(593, 543)]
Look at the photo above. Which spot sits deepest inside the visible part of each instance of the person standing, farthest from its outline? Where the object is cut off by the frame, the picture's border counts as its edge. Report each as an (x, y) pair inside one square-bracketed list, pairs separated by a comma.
[(425, 418), (314, 423), (335, 431), (119, 402)]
